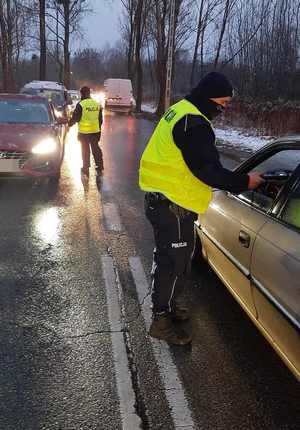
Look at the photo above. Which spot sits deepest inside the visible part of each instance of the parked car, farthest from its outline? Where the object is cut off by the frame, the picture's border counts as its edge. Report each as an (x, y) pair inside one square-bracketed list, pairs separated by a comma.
[(31, 138), (55, 92), (252, 242), (118, 95)]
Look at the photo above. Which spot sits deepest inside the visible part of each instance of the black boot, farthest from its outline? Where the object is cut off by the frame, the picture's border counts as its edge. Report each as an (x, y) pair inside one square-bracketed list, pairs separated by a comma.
[(163, 328), (179, 312)]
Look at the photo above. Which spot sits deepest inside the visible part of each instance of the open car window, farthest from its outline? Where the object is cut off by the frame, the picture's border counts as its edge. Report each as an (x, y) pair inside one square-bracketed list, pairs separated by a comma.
[(263, 198)]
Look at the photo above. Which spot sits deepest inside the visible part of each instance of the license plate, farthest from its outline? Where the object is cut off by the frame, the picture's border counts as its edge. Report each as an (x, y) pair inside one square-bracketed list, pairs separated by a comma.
[(9, 166)]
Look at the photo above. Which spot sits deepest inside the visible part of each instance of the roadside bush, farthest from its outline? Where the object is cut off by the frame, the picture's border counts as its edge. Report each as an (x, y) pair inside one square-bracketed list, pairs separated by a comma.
[(274, 118)]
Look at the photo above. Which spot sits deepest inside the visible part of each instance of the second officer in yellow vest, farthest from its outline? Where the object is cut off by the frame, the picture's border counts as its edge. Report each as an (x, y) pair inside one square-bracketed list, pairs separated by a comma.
[(178, 169), (88, 115)]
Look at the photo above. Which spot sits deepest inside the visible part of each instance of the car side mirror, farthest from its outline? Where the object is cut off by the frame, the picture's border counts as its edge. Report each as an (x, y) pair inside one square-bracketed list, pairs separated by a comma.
[(69, 101)]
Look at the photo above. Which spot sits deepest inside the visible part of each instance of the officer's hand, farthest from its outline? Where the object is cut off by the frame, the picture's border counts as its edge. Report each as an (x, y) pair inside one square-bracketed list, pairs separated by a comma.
[(255, 180)]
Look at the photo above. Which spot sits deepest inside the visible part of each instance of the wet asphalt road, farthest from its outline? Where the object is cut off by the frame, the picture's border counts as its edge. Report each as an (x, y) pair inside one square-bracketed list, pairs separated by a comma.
[(56, 360)]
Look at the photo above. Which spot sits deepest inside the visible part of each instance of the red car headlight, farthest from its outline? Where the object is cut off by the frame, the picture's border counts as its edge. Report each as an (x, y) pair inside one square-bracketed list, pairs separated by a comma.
[(46, 146)]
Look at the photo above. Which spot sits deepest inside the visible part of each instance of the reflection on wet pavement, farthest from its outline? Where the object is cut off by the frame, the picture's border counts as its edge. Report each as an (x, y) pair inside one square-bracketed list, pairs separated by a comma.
[(56, 365), (47, 225), (52, 309), (73, 157)]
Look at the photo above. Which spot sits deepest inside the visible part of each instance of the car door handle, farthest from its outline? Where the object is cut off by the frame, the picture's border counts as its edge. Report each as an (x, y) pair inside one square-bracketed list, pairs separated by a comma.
[(244, 239)]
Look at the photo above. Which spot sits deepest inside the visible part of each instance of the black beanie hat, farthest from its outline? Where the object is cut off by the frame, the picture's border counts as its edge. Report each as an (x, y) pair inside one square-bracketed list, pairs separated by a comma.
[(213, 85), (85, 91)]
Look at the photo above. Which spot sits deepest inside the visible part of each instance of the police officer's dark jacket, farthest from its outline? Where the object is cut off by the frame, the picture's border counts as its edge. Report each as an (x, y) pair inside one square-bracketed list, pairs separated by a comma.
[(195, 138)]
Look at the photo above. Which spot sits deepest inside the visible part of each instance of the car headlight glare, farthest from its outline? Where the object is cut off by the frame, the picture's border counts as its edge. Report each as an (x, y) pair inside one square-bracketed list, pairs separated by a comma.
[(46, 146), (100, 98)]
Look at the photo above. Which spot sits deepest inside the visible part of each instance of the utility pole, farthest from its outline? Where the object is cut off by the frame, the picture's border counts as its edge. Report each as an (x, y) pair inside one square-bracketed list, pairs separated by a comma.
[(171, 40)]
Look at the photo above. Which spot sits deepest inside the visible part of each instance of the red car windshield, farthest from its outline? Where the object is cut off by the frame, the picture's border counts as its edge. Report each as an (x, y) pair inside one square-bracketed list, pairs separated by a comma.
[(23, 112), (56, 97)]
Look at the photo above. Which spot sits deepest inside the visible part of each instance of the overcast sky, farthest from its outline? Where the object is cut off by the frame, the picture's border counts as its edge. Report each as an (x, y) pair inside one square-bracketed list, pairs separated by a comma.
[(102, 26)]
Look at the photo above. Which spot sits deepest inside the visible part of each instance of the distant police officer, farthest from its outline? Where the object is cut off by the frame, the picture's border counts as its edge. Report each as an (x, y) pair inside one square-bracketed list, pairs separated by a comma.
[(178, 169), (88, 114)]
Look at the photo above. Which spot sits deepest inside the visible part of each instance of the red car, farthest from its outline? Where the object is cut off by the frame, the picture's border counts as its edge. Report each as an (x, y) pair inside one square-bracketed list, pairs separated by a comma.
[(31, 137)]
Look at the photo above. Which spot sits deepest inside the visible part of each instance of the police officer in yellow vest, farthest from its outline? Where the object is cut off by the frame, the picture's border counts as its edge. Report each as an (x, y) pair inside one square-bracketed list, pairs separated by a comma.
[(178, 169), (88, 114)]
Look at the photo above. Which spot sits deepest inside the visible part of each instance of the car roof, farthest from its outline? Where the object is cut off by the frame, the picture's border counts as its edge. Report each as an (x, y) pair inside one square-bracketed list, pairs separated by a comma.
[(28, 97), (291, 141), (117, 79), (288, 138), (47, 85)]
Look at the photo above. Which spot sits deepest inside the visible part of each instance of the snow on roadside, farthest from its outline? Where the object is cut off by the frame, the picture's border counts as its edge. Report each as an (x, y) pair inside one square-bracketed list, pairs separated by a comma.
[(239, 138), (235, 137), (148, 107)]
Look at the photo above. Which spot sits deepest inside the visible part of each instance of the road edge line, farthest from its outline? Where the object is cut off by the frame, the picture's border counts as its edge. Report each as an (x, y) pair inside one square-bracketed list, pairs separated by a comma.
[(173, 389), (127, 399)]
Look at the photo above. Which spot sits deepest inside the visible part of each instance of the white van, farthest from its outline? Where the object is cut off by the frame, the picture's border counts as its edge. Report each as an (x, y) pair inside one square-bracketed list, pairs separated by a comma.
[(118, 95)]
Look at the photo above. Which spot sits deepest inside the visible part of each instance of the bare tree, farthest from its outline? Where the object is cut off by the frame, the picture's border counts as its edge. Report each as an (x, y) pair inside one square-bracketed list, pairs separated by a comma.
[(205, 17), (229, 5), (3, 46), (43, 47), (158, 27), (138, 48), (6, 28), (65, 15), (129, 31), (13, 20), (262, 47)]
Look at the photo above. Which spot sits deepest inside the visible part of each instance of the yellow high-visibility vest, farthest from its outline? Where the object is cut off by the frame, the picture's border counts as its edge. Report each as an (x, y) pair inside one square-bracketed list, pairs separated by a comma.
[(163, 169), (89, 122)]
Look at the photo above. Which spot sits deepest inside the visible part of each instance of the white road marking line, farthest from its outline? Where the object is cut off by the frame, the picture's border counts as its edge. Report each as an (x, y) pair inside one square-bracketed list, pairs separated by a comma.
[(112, 217), (179, 409), (130, 420)]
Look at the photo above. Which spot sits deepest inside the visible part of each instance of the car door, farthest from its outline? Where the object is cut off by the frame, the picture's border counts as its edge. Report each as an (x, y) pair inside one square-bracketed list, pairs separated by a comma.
[(59, 129), (231, 224), (275, 273), (228, 230)]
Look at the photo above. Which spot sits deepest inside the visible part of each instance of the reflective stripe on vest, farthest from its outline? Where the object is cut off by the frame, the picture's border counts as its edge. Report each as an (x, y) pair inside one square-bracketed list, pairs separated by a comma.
[(89, 122), (163, 169)]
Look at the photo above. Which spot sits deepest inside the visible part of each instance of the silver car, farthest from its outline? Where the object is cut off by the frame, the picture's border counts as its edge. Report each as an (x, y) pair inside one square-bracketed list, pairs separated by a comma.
[(252, 242)]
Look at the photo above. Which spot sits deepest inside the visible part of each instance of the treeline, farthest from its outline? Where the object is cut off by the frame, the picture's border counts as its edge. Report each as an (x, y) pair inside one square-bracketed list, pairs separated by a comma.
[(254, 42), (35, 38)]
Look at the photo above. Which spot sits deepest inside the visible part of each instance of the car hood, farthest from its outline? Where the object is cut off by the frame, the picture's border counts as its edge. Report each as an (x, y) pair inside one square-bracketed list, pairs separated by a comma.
[(23, 137)]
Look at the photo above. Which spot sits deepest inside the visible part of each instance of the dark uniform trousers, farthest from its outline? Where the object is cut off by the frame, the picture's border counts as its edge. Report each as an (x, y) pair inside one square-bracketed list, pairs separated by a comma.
[(87, 141), (174, 238)]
